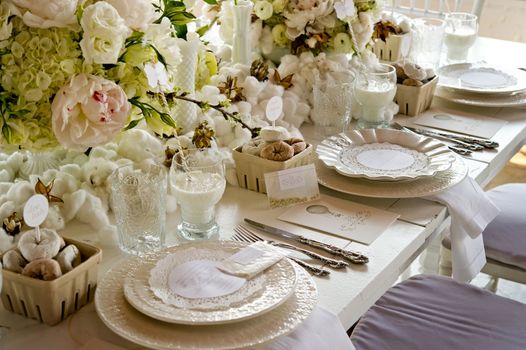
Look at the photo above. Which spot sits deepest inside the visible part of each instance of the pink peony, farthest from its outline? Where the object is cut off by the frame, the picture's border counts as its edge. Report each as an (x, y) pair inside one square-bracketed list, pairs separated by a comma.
[(89, 111)]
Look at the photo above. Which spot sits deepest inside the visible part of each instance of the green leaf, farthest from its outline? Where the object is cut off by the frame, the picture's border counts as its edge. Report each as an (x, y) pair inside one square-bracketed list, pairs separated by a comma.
[(133, 124), (7, 132), (211, 2), (202, 31), (167, 119)]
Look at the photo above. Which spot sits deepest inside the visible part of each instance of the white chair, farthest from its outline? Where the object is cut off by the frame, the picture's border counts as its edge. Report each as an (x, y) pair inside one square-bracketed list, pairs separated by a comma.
[(504, 238), (437, 8)]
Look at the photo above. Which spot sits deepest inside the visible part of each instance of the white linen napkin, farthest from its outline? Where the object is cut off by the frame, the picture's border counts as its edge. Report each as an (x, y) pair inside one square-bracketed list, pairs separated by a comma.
[(471, 211), (322, 330)]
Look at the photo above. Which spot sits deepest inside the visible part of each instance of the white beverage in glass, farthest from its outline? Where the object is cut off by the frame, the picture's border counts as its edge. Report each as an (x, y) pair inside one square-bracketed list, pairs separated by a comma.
[(197, 193), (374, 90), (373, 98), (198, 183), (460, 35)]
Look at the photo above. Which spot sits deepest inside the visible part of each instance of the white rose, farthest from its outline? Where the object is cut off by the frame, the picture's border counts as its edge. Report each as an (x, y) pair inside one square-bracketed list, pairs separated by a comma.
[(104, 33), (137, 14), (48, 13)]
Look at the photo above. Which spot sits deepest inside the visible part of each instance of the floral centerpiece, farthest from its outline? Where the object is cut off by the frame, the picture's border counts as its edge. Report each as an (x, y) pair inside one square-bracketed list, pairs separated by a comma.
[(76, 73), (340, 26)]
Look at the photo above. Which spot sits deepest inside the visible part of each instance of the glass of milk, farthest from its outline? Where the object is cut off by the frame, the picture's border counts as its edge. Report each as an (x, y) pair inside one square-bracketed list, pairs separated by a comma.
[(198, 183), (374, 89), (460, 35)]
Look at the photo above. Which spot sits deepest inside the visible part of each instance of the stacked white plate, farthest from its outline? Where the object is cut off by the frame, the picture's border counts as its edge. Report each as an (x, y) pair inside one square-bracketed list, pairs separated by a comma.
[(482, 85), (270, 305), (387, 163)]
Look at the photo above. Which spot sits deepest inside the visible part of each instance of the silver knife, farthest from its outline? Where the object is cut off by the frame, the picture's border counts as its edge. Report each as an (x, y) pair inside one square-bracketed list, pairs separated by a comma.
[(469, 139), (355, 258)]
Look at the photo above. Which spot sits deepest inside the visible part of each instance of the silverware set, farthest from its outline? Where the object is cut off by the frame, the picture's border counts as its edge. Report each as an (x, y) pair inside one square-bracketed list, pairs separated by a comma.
[(463, 145), (243, 234)]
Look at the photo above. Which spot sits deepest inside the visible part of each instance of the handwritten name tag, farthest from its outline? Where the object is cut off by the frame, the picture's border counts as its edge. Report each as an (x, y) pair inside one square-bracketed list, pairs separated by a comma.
[(292, 186), (36, 210), (274, 108)]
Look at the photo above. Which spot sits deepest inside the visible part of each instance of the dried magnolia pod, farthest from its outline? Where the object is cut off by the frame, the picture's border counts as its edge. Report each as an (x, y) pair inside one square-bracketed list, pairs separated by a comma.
[(279, 151), (412, 82), (297, 144), (12, 224), (43, 269), (414, 71), (259, 70)]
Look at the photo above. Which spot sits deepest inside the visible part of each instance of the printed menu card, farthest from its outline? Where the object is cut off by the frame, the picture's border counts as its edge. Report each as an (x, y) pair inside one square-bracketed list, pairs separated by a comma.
[(342, 218)]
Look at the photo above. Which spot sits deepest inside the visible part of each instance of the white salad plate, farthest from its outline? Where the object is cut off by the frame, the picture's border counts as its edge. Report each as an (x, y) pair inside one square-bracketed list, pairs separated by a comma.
[(481, 78), (147, 288), (384, 155), (425, 186), (128, 322)]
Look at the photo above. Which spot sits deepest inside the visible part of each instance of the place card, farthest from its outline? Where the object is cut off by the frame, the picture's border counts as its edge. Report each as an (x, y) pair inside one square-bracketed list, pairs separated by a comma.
[(35, 210), (342, 218), (252, 260), (292, 186), (460, 122), (201, 279)]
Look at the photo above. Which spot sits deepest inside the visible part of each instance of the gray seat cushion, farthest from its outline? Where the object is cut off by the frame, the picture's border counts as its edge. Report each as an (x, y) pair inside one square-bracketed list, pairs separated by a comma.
[(435, 312), (505, 236)]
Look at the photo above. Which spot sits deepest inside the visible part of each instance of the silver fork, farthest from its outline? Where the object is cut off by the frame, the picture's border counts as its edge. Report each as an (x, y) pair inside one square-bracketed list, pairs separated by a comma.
[(334, 263), (311, 268)]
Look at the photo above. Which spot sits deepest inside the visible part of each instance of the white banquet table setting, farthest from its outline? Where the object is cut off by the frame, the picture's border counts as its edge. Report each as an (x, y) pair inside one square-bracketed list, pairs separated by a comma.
[(261, 174)]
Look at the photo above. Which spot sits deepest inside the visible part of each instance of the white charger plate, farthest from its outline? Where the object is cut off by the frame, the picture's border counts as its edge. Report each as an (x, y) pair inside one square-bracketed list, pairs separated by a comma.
[(481, 78), (384, 155), (133, 325), (422, 187), (277, 285), (483, 100)]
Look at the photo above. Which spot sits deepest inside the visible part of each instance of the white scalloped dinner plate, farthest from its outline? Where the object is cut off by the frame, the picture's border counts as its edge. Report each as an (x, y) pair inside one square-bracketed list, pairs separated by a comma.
[(384, 155), (422, 187), (129, 323), (481, 78), (278, 283)]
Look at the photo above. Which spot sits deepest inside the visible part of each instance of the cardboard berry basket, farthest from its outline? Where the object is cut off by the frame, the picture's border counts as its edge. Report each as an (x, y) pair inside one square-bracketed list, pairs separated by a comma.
[(414, 100), (52, 301), (251, 169)]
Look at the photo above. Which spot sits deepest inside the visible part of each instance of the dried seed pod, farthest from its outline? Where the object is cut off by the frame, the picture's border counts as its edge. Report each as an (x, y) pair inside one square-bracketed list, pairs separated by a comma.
[(278, 150), (412, 82), (43, 269)]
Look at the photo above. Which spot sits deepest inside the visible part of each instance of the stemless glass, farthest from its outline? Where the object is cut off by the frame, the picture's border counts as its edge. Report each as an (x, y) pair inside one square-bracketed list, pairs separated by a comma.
[(138, 202), (198, 184), (331, 112), (426, 43), (461, 33), (374, 90)]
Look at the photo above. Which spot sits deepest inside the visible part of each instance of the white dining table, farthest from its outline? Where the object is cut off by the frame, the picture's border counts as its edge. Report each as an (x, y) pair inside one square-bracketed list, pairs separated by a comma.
[(347, 294)]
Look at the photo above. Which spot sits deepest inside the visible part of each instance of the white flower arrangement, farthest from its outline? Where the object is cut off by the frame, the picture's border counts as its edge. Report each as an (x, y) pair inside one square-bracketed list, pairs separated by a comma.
[(74, 72)]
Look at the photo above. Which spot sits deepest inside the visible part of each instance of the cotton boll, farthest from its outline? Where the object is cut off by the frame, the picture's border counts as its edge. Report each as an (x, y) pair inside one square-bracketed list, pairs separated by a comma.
[(80, 159), (271, 91), (97, 170), (72, 169), (54, 219), (252, 87), (223, 127), (289, 107), (6, 242), (6, 175), (20, 192), (15, 161), (4, 187), (123, 162), (138, 144), (7, 208), (86, 208), (244, 107), (65, 183), (102, 152)]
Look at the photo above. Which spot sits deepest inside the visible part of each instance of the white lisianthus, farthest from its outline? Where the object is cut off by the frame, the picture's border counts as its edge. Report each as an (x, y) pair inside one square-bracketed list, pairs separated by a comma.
[(104, 33), (279, 33), (344, 9), (137, 14), (342, 43), (88, 111), (160, 36), (263, 9), (48, 13)]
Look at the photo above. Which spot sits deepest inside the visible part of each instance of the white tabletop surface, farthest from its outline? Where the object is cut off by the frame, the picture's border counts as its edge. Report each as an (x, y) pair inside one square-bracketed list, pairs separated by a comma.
[(348, 294)]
